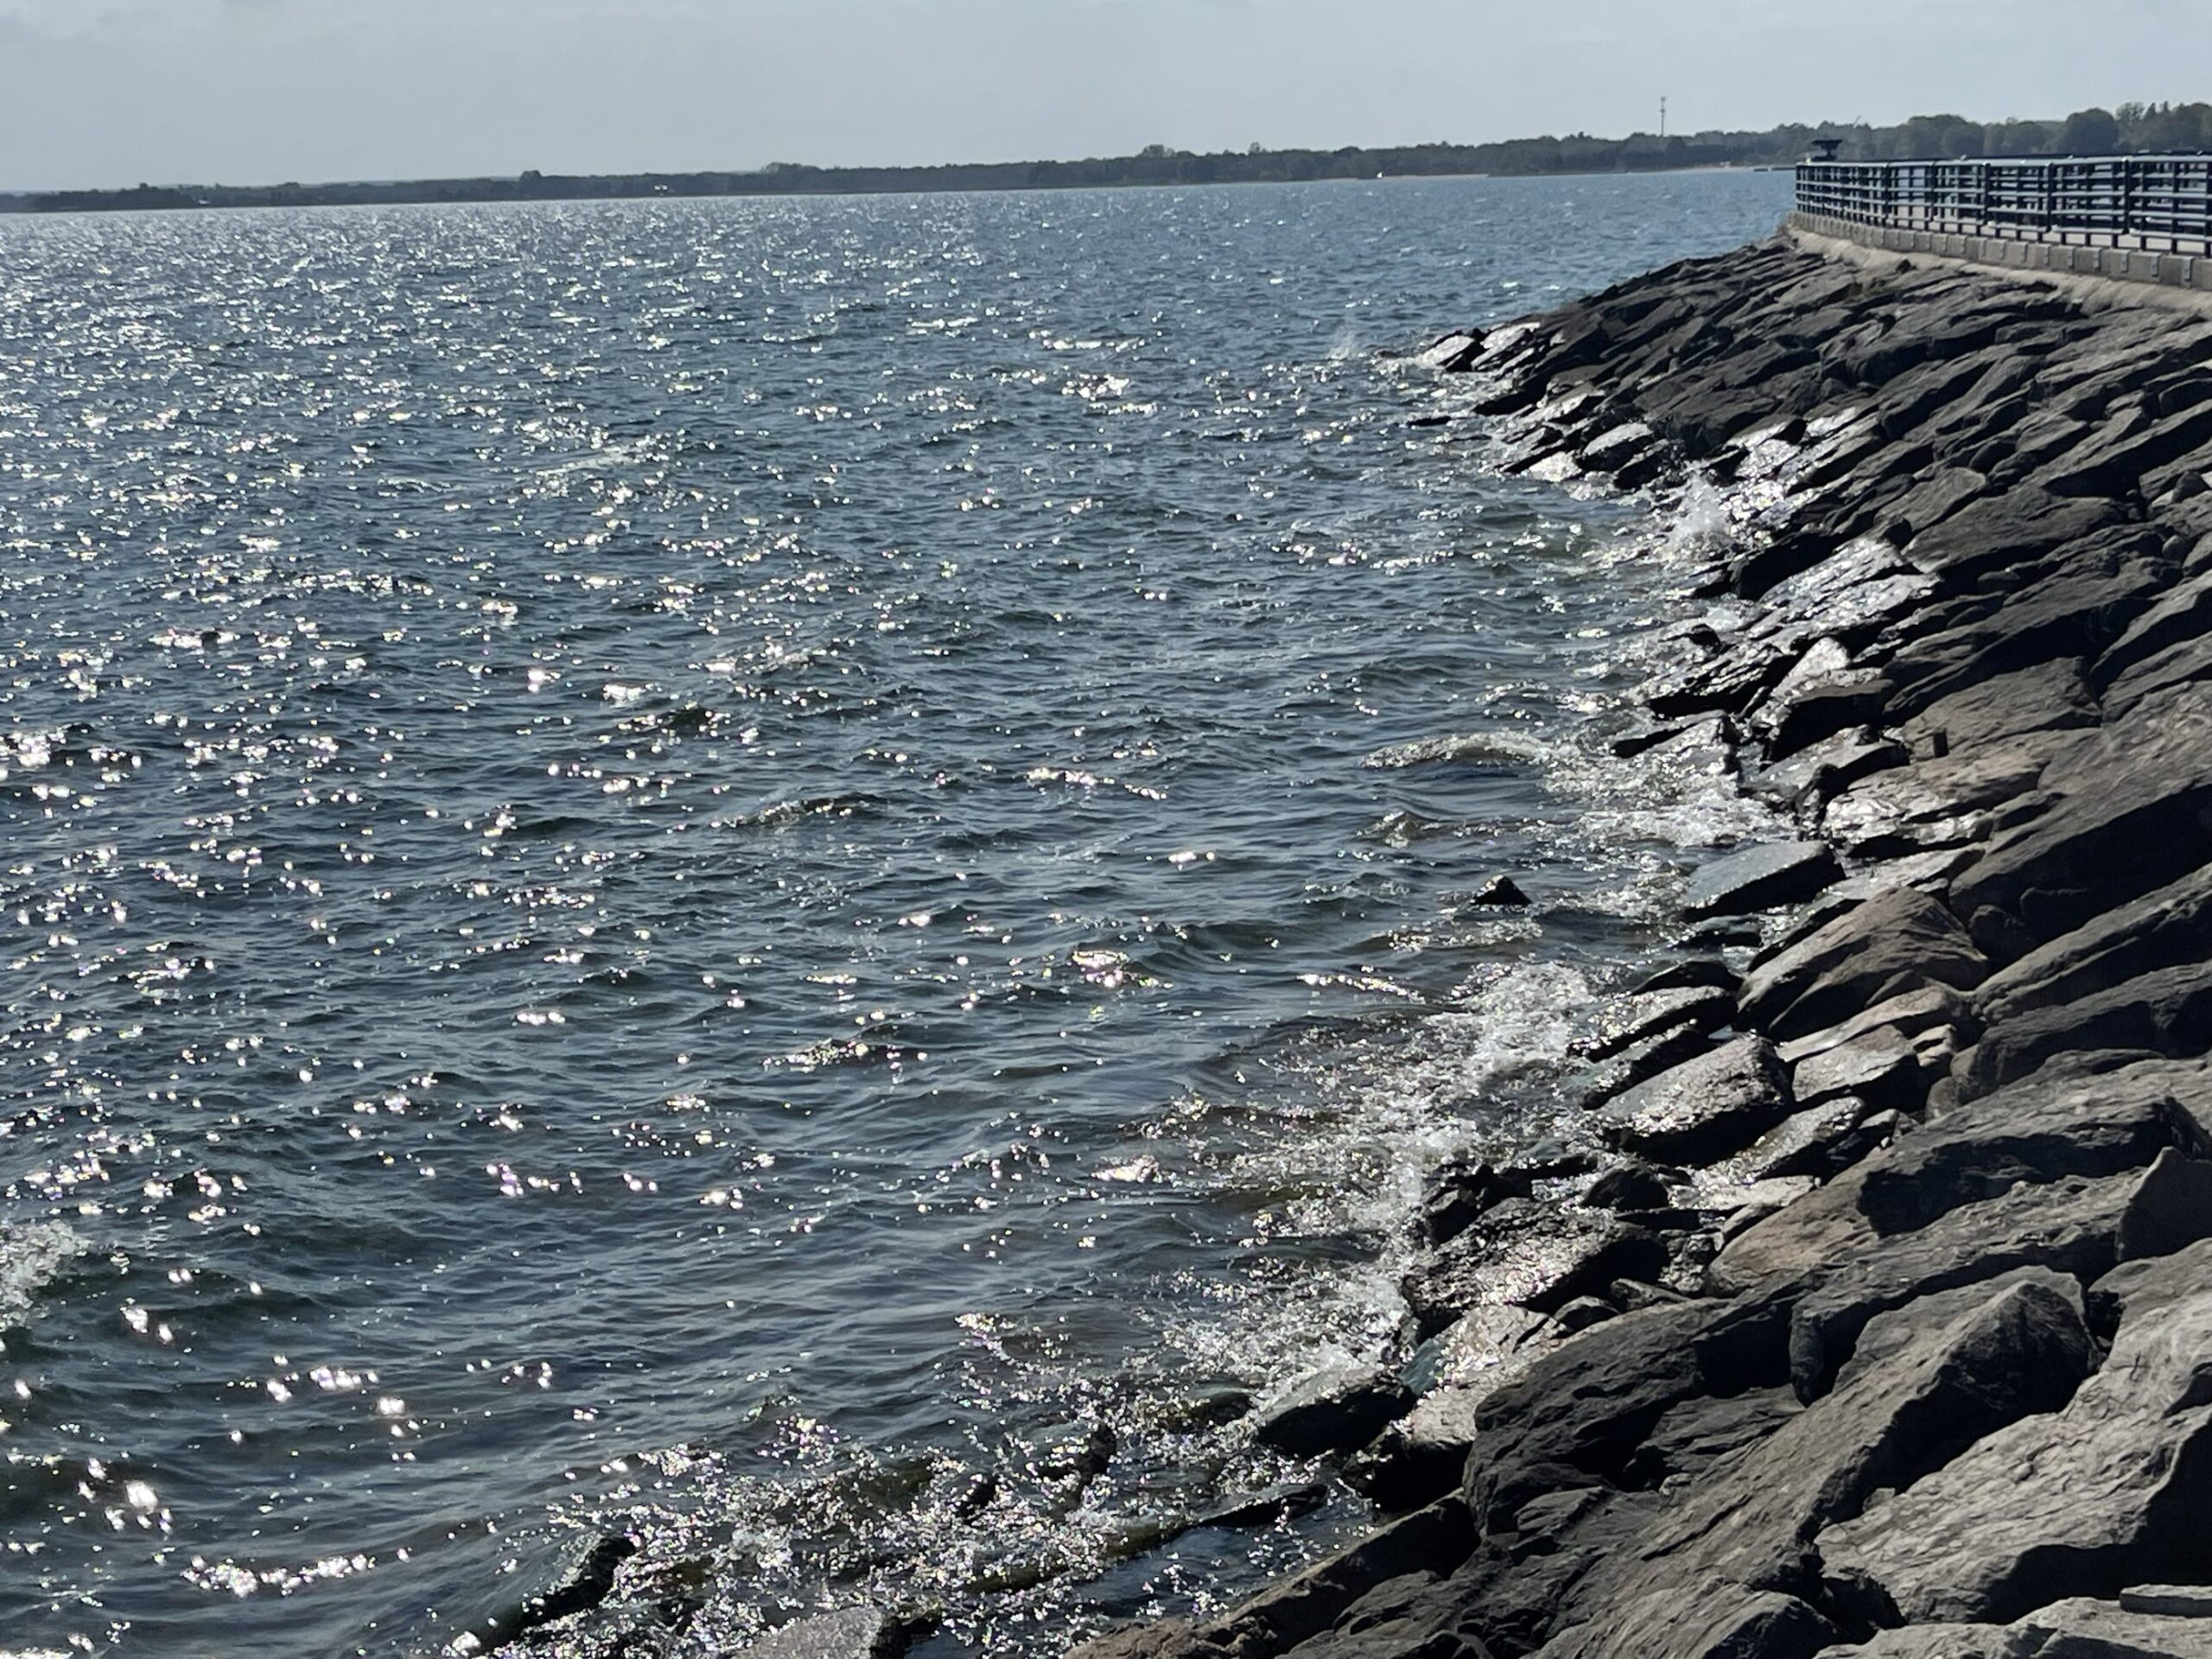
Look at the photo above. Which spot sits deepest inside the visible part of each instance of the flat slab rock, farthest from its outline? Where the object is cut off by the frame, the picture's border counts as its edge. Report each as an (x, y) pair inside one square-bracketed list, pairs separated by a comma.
[(1704, 1108), (1336, 1410), (1761, 878), (1532, 1254)]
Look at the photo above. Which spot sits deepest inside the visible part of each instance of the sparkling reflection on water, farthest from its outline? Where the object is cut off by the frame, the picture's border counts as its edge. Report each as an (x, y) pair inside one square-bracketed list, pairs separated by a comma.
[(710, 864)]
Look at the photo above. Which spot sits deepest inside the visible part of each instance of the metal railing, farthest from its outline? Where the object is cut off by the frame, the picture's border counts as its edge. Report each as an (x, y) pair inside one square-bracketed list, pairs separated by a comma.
[(2161, 203)]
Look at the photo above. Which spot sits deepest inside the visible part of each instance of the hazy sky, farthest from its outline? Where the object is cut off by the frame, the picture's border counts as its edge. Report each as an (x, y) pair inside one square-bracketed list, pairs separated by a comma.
[(114, 92)]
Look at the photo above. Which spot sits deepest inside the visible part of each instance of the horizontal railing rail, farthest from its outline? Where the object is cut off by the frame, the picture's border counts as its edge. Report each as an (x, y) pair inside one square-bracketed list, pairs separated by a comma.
[(2161, 203)]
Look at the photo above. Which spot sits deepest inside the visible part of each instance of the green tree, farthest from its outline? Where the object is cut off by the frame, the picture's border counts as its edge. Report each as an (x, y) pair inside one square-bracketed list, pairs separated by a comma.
[(2089, 133)]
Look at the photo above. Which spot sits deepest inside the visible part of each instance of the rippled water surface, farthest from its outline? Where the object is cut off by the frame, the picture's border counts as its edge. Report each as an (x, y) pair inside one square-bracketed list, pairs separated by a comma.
[(733, 870)]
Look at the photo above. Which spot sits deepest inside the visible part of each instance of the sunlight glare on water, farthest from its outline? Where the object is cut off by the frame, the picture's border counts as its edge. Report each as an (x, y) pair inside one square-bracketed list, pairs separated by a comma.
[(711, 870)]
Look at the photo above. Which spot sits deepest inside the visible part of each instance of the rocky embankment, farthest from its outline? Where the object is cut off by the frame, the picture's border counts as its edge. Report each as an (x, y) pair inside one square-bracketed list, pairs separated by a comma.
[(1881, 1325)]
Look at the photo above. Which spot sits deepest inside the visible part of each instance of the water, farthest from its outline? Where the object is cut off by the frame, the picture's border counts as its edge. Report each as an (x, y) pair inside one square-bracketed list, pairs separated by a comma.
[(719, 867)]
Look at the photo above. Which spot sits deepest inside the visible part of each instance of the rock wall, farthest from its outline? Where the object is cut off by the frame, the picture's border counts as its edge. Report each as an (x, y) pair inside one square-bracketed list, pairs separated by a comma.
[(1882, 1325)]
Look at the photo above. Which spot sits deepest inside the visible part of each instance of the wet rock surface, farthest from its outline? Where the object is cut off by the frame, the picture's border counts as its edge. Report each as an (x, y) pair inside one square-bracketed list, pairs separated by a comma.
[(1863, 1304)]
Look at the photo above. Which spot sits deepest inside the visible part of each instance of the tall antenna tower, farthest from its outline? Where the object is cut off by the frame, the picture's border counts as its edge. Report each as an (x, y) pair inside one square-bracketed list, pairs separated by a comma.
[(1663, 117)]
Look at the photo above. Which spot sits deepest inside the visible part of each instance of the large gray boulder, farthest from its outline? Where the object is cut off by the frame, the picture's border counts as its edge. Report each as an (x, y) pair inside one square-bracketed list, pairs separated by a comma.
[(2068, 1121), (2170, 927), (2051, 696), (2130, 817), (2074, 1226), (1902, 941), (2011, 527), (2168, 1010), (1700, 1623), (2121, 1482), (1726, 1567)]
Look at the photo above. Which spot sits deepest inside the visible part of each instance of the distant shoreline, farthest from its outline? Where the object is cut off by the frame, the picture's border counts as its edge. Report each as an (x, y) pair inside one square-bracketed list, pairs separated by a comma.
[(1522, 158)]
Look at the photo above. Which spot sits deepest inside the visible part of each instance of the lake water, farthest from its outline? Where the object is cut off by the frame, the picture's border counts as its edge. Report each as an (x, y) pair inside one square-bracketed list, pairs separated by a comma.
[(721, 869)]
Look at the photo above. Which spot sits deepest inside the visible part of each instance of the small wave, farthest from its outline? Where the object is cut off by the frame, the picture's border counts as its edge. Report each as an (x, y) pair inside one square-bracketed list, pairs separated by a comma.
[(30, 1257), (1494, 749)]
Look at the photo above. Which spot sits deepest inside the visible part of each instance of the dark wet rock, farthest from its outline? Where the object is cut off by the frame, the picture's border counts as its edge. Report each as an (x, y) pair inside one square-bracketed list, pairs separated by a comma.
[(1722, 933), (1524, 1254), (1435, 1539), (859, 1633), (1456, 1196), (1882, 1068), (2131, 1454), (1761, 878), (1629, 1020), (1630, 1185), (1648, 736), (1617, 448), (1456, 353), (2012, 527), (1812, 776), (1501, 893), (1333, 1410), (1481, 1350), (1267, 1509), (1820, 713), (1699, 973), (1417, 1615), (584, 1581), (1580, 1414), (1551, 1159), (983, 1491), (1166, 1638), (1420, 1457), (1904, 941), (1705, 1108), (1647, 1057)]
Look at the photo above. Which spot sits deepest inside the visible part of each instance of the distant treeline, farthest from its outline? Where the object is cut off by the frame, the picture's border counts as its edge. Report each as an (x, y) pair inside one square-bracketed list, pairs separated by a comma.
[(2133, 127)]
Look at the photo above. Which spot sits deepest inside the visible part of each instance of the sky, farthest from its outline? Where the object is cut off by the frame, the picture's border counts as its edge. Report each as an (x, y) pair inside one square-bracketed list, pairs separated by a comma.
[(112, 92)]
